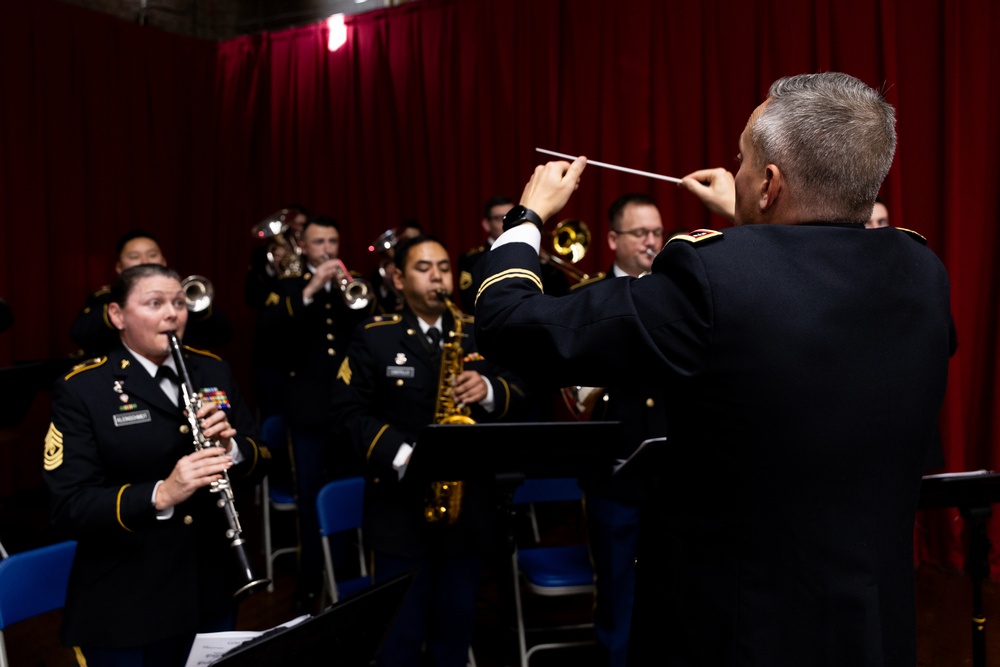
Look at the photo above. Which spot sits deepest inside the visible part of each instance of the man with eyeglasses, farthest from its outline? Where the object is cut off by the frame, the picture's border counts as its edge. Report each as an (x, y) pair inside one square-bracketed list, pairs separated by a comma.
[(614, 504)]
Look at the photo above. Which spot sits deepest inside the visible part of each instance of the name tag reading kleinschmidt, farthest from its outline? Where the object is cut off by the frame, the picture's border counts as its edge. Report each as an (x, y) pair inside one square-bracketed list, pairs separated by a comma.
[(130, 418)]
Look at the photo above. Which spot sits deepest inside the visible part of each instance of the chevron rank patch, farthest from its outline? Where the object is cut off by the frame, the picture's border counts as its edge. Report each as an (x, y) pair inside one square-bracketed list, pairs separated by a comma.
[(53, 448), (345, 371), (464, 280)]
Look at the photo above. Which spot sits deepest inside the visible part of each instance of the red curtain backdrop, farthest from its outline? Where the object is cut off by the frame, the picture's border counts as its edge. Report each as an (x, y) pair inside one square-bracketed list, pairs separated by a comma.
[(430, 108)]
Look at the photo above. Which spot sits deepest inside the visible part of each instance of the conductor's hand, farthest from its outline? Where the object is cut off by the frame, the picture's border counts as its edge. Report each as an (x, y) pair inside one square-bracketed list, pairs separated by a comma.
[(551, 185), (197, 469), (716, 188), (469, 388)]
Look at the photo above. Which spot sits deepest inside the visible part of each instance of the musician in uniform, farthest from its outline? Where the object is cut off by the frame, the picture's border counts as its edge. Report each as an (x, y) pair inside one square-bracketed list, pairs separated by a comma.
[(614, 503), (311, 324), (153, 563), (492, 223), (389, 387), (805, 358), (93, 330)]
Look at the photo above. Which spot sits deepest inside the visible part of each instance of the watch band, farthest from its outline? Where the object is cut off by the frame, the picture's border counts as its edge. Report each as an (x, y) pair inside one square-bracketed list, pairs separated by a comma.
[(519, 214)]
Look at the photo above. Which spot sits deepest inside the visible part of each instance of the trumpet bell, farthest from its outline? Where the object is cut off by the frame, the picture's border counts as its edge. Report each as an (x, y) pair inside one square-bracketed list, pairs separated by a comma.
[(198, 293)]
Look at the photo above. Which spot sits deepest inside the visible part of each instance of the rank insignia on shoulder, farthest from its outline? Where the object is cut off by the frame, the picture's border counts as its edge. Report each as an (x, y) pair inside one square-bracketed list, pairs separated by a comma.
[(380, 320), (53, 448), (85, 366), (697, 236), (916, 236), (217, 396)]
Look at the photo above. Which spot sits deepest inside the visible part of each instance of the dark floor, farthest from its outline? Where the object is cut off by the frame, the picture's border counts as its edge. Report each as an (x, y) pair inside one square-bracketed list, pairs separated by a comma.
[(944, 604)]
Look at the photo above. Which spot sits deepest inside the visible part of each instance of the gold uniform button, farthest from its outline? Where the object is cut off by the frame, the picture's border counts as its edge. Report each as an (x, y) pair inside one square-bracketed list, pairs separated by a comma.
[(331, 351), (399, 383), (188, 520), (650, 403), (329, 336), (328, 306), (329, 321), (185, 429), (410, 332)]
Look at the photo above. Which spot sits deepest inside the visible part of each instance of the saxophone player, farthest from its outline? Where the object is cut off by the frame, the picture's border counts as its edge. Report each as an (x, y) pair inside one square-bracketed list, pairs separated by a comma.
[(388, 388)]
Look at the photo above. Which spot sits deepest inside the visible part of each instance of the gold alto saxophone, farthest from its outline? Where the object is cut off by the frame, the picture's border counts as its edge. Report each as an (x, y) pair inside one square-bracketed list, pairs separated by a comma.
[(444, 500), (225, 501)]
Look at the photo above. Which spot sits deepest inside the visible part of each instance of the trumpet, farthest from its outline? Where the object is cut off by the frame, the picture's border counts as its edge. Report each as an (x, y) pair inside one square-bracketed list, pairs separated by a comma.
[(226, 502), (570, 239), (356, 292), (198, 293)]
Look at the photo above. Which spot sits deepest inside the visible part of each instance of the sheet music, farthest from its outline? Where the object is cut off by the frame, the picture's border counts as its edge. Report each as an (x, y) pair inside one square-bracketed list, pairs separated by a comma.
[(210, 646)]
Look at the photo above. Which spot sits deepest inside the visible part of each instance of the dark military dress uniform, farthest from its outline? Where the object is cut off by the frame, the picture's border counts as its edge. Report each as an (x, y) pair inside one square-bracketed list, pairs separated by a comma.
[(806, 366), (614, 503), (138, 579), (553, 279), (310, 343), (386, 395)]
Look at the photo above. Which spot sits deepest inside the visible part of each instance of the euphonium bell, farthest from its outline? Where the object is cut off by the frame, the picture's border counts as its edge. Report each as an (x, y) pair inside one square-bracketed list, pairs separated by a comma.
[(284, 255), (198, 293)]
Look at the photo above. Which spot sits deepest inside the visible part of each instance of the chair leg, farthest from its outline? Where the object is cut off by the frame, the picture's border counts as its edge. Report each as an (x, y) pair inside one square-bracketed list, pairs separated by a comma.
[(522, 642), (268, 555)]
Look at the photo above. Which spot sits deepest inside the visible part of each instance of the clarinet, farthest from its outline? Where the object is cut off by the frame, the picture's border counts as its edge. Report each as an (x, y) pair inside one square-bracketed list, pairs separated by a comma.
[(192, 403)]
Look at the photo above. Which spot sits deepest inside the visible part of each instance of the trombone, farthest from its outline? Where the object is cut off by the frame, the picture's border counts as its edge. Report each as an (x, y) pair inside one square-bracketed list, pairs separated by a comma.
[(570, 240)]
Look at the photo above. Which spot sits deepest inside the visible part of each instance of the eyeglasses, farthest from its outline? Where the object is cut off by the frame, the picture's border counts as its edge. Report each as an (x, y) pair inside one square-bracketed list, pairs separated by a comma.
[(640, 233)]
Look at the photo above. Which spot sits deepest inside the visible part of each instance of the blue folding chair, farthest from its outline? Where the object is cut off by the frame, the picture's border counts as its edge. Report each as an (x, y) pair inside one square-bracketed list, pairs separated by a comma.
[(277, 498), (32, 583), (550, 571), (340, 507)]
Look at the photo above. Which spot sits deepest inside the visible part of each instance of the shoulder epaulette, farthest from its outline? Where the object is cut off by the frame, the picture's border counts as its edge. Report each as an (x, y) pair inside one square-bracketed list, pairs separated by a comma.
[(203, 353), (913, 235), (382, 320), (85, 366), (697, 236), (474, 251), (101, 291), (589, 281)]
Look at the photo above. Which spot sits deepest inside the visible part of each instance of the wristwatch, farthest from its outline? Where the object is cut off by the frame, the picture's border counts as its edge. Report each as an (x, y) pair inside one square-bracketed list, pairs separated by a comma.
[(519, 214)]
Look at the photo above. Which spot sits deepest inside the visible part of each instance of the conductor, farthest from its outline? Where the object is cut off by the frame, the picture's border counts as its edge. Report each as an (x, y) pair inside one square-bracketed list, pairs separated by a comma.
[(806, 357)]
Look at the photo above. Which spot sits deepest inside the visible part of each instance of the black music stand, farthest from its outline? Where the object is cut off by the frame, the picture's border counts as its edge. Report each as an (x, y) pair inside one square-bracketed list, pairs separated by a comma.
[(347, 633), (512, 451), (973, 493)]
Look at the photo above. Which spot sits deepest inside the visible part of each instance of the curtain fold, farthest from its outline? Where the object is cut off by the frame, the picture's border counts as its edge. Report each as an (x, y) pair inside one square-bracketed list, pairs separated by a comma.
[(432, 107)]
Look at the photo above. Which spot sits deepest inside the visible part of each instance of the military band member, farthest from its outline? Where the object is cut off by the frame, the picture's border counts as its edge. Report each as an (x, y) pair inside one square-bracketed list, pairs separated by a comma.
[(389, 386), (805, 358), (614, 504), (93, 330), (311, 325), (153, 563)]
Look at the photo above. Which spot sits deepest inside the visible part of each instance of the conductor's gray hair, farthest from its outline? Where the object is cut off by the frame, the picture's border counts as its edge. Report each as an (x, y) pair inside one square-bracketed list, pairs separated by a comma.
[(832, 137)]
